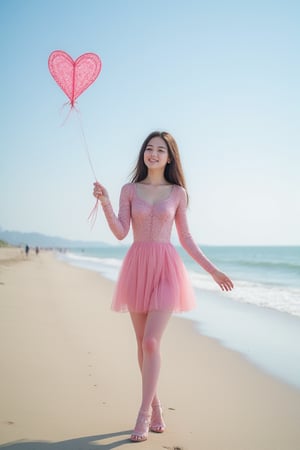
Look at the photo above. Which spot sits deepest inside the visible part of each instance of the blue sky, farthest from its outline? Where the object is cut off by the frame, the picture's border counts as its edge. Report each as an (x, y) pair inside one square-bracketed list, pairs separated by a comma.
[(222, 76)]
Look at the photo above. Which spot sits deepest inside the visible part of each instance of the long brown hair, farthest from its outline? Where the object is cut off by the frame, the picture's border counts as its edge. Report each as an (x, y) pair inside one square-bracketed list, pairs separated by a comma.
[(173, 170)]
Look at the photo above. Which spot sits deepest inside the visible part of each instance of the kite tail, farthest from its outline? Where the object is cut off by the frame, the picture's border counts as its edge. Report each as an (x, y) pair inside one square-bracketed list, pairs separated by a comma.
[(93, 214), (68, 115)]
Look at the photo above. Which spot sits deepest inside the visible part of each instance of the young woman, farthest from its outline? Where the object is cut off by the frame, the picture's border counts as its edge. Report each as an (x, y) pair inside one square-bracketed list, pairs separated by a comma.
[(153, 282)]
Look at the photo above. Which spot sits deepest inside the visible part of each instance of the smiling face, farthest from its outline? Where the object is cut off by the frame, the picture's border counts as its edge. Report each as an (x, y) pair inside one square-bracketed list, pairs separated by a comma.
[(159, 155), (156, 154)]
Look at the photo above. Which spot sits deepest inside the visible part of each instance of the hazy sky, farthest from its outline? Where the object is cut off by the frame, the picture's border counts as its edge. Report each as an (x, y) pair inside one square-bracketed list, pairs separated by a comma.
[(222, 76)]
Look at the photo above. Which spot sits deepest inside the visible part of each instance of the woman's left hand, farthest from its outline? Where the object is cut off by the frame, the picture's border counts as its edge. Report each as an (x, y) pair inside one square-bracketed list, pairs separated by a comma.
[(222, 280)]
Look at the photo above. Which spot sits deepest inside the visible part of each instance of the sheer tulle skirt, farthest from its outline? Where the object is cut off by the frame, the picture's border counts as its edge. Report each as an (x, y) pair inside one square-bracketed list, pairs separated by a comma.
[(153, 278)]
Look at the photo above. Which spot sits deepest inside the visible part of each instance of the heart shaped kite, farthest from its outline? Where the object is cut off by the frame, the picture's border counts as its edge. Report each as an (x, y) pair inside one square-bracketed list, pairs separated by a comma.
[(74, 77)]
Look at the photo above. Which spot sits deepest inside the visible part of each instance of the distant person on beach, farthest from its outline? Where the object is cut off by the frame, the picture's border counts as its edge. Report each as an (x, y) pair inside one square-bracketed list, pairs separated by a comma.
[(153, 282), (27, 250), (37, 250)]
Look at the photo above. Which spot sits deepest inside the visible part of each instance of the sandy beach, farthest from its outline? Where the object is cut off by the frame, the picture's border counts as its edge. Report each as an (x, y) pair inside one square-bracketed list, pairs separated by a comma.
[(70, 380)]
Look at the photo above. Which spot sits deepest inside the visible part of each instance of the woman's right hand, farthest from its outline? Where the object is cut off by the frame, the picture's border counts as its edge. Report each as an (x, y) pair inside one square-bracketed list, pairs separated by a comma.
[(100, 192)]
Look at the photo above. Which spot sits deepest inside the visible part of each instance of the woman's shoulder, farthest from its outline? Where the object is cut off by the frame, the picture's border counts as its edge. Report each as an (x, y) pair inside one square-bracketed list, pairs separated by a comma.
[(180, 195), (127, 188), (180, 190)]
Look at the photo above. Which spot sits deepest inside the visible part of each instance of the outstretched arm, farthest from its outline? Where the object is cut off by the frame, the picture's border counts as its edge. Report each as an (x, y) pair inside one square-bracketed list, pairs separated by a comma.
[(192, 248), (120, 224)]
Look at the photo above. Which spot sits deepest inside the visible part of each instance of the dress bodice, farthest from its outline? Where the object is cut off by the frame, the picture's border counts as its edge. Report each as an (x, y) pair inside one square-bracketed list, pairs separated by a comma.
[(154, 222)]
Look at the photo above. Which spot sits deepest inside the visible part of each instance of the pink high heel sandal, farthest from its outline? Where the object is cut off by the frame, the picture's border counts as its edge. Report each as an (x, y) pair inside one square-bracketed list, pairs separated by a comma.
[(140, 432), (157, 424)]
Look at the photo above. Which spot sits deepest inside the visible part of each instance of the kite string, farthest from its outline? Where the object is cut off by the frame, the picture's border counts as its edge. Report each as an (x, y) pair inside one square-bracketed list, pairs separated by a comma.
[(86, 148), (93, 214), (85, 144)]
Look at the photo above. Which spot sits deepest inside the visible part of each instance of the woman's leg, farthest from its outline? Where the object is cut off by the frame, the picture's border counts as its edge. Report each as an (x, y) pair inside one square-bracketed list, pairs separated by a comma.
[(139, 323), (149, 329), (154, 328)]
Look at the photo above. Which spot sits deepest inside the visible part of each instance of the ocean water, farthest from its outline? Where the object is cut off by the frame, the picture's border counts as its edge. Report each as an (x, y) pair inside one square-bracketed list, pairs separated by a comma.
[(260, 318)]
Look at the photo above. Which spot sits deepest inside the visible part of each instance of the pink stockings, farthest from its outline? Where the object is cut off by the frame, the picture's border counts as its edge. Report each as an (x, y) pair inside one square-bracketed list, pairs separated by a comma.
[(149, 329)]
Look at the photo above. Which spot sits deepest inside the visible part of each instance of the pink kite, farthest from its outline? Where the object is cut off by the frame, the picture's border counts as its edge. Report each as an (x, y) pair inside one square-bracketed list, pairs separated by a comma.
[(74, 77)]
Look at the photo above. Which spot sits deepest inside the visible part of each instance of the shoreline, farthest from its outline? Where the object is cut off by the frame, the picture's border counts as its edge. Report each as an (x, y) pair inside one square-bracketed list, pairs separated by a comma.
[(266, 337), (71, 380)]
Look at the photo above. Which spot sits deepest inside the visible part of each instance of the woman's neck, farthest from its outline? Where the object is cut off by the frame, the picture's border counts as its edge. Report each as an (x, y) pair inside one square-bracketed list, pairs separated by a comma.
[(155, 179)]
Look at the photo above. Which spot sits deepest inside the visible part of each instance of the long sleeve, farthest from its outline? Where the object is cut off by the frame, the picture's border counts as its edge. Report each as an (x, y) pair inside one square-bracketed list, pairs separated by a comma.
[(185, 237), (120, 224)]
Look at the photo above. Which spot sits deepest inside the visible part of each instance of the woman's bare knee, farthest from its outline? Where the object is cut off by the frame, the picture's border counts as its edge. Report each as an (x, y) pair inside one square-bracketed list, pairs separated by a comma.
[(150, 345)]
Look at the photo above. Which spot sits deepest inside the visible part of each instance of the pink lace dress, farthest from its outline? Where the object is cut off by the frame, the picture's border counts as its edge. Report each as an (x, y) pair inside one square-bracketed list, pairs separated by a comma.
[(153, 276)]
